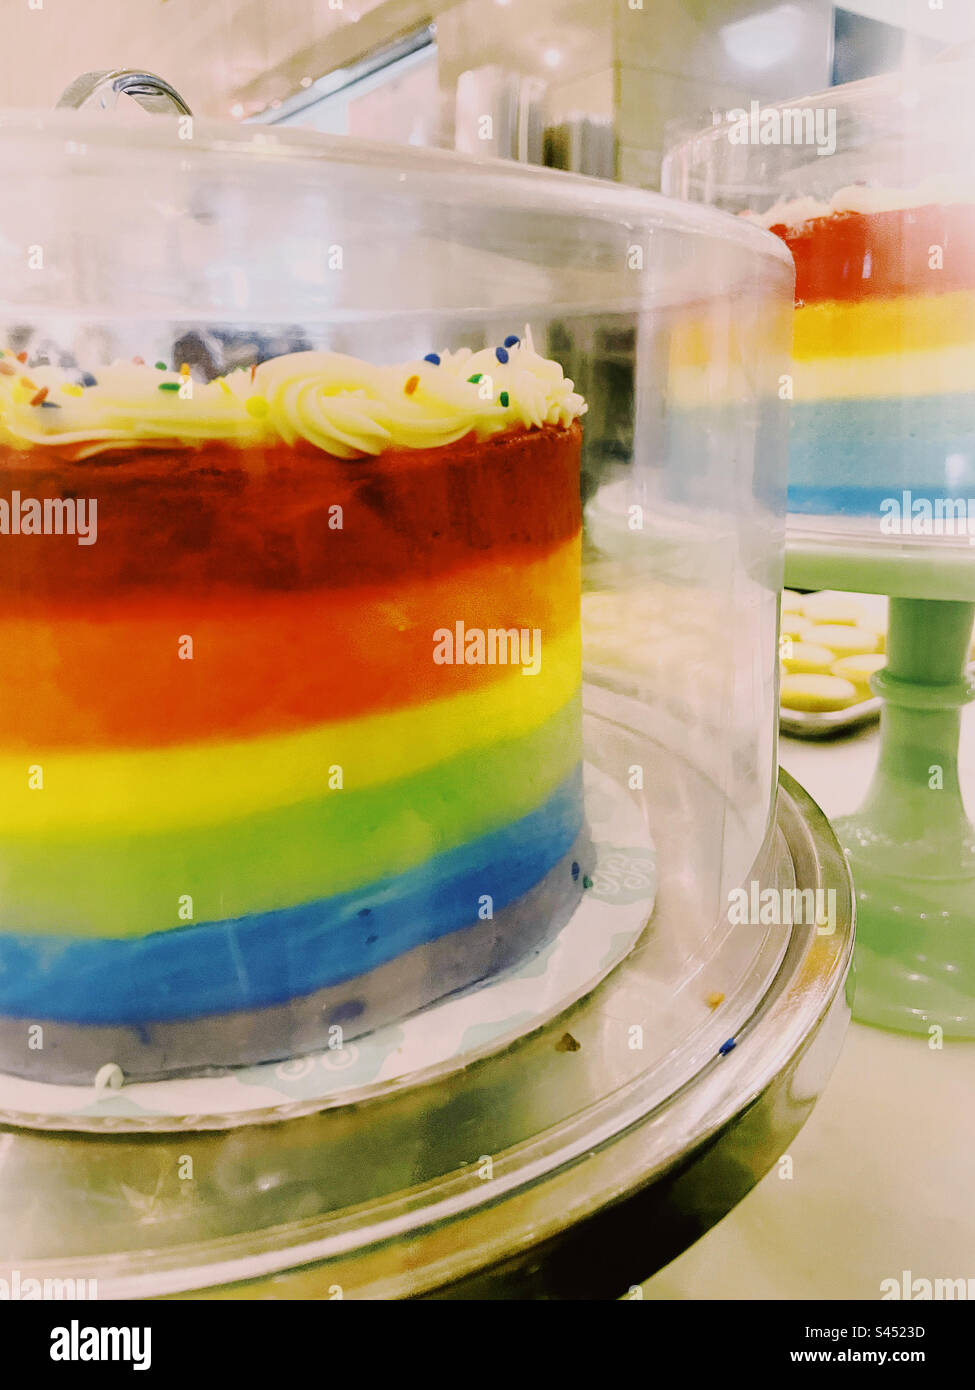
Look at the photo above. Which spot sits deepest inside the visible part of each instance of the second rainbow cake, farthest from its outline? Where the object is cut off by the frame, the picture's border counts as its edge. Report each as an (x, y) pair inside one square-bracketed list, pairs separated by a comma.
[(884, 348), (290, 710)]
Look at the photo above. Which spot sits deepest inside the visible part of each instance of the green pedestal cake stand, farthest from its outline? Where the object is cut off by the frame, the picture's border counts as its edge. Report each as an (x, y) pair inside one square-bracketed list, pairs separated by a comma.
[(911, 845)]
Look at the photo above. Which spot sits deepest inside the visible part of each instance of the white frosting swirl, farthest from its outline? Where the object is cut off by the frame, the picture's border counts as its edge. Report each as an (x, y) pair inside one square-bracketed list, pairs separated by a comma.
[(344, 406), (793, 213)]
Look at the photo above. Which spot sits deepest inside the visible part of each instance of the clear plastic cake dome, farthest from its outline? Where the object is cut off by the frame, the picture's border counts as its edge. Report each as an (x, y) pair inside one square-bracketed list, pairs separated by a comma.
[(389, 745), (870, 184)]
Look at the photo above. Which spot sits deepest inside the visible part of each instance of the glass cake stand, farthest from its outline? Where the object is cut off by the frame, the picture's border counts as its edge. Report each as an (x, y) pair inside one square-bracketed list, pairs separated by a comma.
[(911, 844)]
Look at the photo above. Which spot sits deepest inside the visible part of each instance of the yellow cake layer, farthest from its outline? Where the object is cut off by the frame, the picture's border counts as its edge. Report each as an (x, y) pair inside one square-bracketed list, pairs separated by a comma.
[(943, 372), (938, 372), (910, 346), (207, 783), (875, 327)]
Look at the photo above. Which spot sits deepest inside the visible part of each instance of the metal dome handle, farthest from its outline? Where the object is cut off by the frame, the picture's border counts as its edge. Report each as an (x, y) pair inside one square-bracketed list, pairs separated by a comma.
[(100, 90)]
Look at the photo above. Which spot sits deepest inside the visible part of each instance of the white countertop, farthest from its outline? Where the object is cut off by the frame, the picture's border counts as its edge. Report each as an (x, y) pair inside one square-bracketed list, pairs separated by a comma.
[(882, 1171)]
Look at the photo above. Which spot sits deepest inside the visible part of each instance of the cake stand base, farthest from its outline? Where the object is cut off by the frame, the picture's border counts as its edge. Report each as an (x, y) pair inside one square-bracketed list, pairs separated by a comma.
[(911, 845)]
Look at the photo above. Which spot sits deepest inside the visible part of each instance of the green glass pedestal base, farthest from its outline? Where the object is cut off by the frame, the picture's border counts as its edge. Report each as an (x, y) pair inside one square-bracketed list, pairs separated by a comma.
[(914, 959), (911, 845)]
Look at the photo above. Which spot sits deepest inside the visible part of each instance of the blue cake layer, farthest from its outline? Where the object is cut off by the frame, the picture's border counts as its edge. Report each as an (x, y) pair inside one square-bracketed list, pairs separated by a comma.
[(848, 456), (73, 1053), (703, 439), (267, 959)]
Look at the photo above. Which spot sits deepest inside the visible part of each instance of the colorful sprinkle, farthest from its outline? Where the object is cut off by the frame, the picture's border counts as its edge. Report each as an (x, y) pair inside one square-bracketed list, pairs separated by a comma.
[(26, 381), (714, 999), (6, 369), (433, 357), (476, 377), (411, 385), (71, 389), (169, 386), (160, 366), (40, 397), (221, 382), (139, 361), (253, 370), (88, 380), (256, 406), (184, 369), (21, 357), (512, 340), (586, 881), (49, 405), (505, 399), (726, 1047), (501, 354)]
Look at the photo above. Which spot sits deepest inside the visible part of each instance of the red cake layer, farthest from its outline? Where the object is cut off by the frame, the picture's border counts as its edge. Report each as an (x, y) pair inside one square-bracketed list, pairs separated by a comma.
[(224, 519), (852, 255), (261, 663)]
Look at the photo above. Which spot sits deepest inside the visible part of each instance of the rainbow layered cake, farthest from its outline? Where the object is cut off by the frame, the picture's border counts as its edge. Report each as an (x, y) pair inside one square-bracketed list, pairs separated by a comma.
[(289, 708), (884, 349)]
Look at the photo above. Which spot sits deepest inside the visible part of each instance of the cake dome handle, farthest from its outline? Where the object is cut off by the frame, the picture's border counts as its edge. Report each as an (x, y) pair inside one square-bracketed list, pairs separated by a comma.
[(101, 90)]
